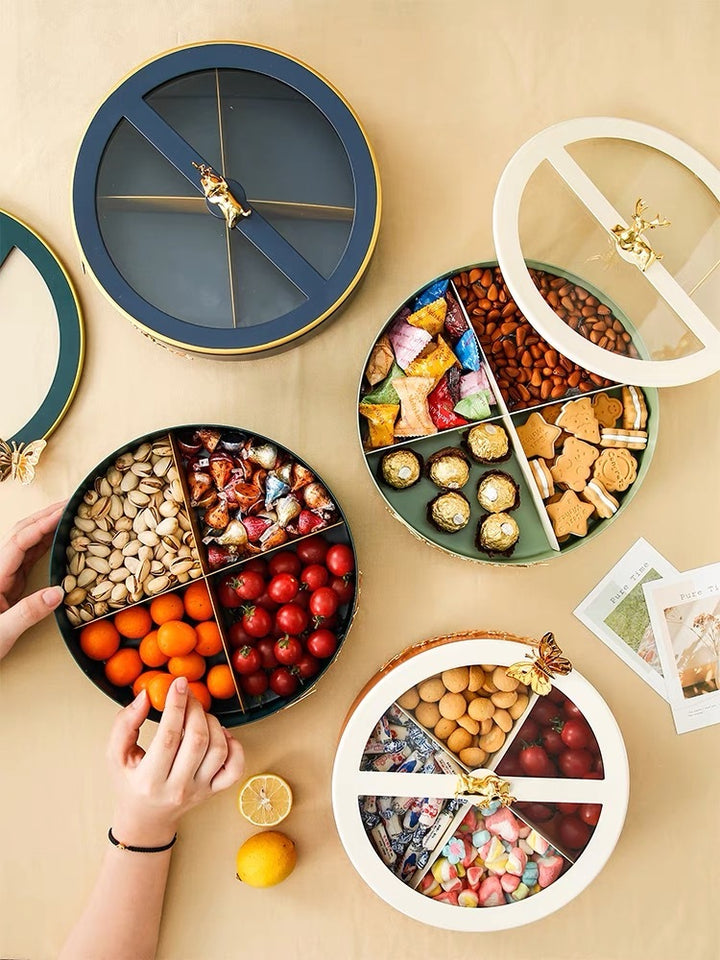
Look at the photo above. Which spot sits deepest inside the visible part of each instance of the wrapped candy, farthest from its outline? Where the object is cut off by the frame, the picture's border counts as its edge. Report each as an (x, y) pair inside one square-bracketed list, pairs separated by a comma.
[(475, 382), (453, 382), (414, 417), (474, 407), (440, 405), (455, 322), (430, 317), (381, 420), (467, 351), (308, 521), (433, 292), (434, 364), (274, 488), (256, 526), (384, 391), (407, 341), (381, 359)]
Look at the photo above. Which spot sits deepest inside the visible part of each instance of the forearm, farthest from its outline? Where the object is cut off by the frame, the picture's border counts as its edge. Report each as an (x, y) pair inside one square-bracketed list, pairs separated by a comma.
[(122, 918)]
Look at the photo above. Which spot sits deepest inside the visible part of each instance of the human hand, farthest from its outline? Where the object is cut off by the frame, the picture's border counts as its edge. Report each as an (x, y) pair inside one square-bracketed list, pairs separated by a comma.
[(191, 758), (26, 543)]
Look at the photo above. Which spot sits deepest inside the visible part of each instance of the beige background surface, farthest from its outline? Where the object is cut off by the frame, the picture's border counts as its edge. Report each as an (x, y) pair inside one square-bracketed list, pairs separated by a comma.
[(447, 91)]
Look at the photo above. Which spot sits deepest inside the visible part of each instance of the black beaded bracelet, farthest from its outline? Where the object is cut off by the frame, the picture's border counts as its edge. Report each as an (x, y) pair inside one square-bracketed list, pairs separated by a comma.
[(125, 846)]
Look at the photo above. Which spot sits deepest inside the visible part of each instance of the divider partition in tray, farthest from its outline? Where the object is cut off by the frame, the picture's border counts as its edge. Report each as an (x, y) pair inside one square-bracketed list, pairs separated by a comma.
[(240, 708), (357, 789), (537, 540)]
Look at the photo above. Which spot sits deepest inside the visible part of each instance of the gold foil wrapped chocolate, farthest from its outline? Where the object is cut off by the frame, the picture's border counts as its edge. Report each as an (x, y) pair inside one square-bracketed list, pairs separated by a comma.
[(449, 512), (449, 468), (400, 469), (498, 533), (488, 443), (381, 422), (497, 492)]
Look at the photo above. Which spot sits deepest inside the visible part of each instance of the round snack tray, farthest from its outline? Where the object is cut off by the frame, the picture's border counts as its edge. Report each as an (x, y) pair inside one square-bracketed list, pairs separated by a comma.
[(171, 461), (509, 409), (406, 806)]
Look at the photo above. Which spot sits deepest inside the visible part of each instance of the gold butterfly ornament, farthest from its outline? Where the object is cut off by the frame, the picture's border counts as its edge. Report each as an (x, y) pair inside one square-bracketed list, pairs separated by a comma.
[(538, 672), (18, 460)]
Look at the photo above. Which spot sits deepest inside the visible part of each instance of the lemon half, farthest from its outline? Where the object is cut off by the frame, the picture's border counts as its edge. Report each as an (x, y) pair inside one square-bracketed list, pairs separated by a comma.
[(265, 800)]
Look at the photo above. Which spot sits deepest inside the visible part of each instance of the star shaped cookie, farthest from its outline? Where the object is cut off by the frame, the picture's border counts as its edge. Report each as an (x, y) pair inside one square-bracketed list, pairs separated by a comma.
[(569, 515)]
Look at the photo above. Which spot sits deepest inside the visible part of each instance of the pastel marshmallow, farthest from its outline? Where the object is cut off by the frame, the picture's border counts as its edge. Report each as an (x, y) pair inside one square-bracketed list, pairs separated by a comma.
[(490, 893), (448, 897), (470, 819), (480, 838), (455, 884), (433, 889), (520, 892), (509, 883), (474, 876), (538, 843), (530, 873), (503, 824), (468, 898), (495, 849), (517, 861), (470, 852), (442, 870), (549, 869)]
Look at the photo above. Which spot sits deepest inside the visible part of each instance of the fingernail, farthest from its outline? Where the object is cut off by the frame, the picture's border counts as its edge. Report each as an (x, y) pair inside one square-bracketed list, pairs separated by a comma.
[(139, 699), (181, 684), (52, 596)]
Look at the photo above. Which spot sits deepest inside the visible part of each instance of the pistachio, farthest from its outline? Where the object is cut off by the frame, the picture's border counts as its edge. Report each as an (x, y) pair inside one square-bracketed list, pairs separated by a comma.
[(77, 564), (183, 577), (86, 577), (129, 509), (119, 592), (149, 538), (145, 552), (73, 616), (156, 567), (116, 559), (131, 548), (157, 585), (83, 511), (150, 517), (69, 583), (87, 526), (123, 523), (119, 574), (116, 507), (104, 488), (129, 482), (102, 536), (121, 539), (166, 527), (138, 498), (114, 476), (101, 590), (169, 509), (143, 571), (195, 573), (98, 563), (75, 597), (124, 461), (162, 466), (98, 550), (90, 497)]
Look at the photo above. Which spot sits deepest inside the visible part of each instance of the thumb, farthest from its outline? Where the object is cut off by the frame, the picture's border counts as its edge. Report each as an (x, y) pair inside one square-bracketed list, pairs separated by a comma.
[(25, 614), (124, 734)]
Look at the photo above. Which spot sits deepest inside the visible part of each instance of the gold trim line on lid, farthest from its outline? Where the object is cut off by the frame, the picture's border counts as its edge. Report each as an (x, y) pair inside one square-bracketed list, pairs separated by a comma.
[(631, 245)]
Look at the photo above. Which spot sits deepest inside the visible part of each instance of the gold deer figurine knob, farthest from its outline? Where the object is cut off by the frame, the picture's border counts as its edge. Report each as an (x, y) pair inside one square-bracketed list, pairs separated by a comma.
[(217, 191), (631, 245)]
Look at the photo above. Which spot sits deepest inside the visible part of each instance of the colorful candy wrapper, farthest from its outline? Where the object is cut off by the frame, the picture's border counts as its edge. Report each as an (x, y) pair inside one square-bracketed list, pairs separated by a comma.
[(381, 359), (384, 391), (467, 351), (430, 317), (408, 864), (474, 407), (274, 488), (444, 763), (415, 417), (453, 377), (393, 826), (455, 323), (407, 341), (381, 420), (433, 364), (440, 405), (382, 844), (407, 766), (433, 292), (474, 382)]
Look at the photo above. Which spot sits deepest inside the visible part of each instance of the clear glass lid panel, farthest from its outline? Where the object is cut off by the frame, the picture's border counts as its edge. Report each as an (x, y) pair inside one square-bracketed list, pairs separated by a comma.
[(176, 261), (321, 240), (132, 167), (260, 291), (279, 145), (191, 105), (557, 229), (30, 321), (625, 171)]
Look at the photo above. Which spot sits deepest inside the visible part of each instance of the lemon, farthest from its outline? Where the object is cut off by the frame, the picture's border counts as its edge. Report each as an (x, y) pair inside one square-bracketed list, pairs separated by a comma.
[(266, 859), (265, 800)]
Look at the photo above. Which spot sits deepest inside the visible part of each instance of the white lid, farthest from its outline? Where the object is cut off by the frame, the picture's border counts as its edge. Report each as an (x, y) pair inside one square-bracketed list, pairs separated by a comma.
[(556, 204)]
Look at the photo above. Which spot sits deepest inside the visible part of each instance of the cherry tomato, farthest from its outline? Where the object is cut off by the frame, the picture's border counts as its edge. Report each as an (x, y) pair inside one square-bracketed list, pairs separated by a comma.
[(534, 761), (307, 666), (552, 741), (302, 599), (324, 602), (590, 813), (257, 621), (267, 603), (567, 807), (556, 696), (246, 660), (593, 775), (292, 619), (576, 734), (288, 651), (283, 683), (537, 812), (238, 636), (340, 560), (284, 562), (257, 565), (345, 589), (575, 763), (322, 643), (313, 550), (572, 712), (598, 766), (315, 576), (283, 588), (266, 649), (529, 731), (573, 833), (249, 585), (255, 684), (511, 766), (226, 594), (545, 711)]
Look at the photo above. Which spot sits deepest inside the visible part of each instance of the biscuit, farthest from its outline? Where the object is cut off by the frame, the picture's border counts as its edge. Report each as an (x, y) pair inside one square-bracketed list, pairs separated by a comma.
[(552, 412), (577, 417), (543, 478), (574, 465), (570, 515), (538, 437), (615, 437), (604, 503), (616, 469), (607, 409), (635, 412)]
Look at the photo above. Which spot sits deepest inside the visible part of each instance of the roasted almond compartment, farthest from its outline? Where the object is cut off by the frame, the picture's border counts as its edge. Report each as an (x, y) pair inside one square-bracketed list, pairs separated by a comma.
[(140, 542), (487, 441)]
